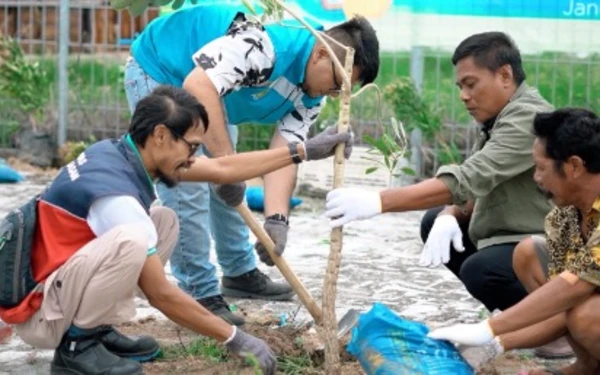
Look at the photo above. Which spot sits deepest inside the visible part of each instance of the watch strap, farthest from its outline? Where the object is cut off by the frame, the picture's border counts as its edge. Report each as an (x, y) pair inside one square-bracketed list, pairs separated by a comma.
[(279, 217), (293, 146)]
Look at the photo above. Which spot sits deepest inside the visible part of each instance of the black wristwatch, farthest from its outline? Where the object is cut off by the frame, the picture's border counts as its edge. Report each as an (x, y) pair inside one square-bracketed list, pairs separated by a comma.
[(279, 217), (294, 152)]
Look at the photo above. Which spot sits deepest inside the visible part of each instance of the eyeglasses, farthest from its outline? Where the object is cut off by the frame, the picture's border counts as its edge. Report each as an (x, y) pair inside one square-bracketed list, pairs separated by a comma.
[(193, 147), (337, 87)]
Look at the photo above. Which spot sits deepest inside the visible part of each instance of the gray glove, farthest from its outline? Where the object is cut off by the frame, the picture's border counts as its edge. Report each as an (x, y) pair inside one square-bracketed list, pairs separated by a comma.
[(231, 194), (277, 230), (245, 345), (322, 145)]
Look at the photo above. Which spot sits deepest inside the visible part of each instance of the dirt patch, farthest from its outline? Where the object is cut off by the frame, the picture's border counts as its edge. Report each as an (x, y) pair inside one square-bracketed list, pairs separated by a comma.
[(298, 349), (515, 362)]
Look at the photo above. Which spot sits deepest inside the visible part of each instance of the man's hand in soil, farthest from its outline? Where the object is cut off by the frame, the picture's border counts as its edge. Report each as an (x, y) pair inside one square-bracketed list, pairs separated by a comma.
[(277, 230), (232, 194), (323, 145), (246, 345)]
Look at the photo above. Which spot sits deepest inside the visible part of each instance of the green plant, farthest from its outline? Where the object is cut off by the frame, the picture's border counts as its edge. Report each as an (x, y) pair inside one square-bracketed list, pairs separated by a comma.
[(254, 137), (411, 109), (294, 365), (71, 150), (417, 112), (8, 127), (253, 362), (200, 347), (364, 112), (391, 145), (526, 356), (23, 81)]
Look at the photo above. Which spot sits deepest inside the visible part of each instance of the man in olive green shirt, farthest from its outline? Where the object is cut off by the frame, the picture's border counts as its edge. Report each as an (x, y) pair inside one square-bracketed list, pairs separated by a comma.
[(492, 201)]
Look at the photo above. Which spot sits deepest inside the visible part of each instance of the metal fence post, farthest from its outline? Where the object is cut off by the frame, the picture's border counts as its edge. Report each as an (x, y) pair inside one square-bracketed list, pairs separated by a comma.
[(417, 61), (63, 72)]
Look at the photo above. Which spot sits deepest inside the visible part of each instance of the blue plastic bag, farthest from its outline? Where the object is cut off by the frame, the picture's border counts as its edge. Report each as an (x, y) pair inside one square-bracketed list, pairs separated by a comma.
[(386, 344), (255, 197)]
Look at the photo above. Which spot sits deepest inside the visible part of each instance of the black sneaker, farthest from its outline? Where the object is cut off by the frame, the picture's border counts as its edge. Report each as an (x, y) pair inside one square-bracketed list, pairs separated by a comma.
[(86, 355), (137, 348), (255, 285), (218, 306)]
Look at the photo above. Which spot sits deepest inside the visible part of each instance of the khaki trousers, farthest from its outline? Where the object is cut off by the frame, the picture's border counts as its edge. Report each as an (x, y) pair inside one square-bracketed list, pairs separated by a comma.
[(96, 286)]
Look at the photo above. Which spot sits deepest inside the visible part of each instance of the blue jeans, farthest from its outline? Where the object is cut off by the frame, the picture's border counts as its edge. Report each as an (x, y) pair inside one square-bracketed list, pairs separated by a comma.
[(201, 213)]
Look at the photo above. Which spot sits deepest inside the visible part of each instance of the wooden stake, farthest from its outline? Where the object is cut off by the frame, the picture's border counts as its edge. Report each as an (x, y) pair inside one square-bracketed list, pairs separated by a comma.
[(332, 347)]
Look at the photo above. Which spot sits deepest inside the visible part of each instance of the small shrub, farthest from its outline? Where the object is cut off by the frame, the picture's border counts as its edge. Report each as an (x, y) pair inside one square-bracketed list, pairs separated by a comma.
[(71, 150), (24, 82), (411, 109)]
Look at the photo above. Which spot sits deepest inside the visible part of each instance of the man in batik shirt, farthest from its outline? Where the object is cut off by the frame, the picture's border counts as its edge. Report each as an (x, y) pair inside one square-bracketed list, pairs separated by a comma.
[(566, 300)]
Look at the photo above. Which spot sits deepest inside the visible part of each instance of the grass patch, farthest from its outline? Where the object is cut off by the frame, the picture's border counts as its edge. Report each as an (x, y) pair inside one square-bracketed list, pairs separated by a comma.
[(96, 85), (563, 79), (209, 350), (202, 347), (295, 365)]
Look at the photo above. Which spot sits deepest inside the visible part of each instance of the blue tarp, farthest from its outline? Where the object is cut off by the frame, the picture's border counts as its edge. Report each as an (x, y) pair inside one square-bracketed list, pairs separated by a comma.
[(385, 343), (255, 197), (9, 175)]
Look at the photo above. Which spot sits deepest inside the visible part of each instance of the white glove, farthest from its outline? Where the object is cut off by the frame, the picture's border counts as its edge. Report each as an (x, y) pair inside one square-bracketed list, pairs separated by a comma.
[(467, 334), (437, 248), (477, 356), (348, 204)]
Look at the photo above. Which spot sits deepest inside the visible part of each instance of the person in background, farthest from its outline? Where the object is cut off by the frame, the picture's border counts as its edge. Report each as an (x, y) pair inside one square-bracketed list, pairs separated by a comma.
[(562, 271), (478, 210), (97, 238), (243, 72)]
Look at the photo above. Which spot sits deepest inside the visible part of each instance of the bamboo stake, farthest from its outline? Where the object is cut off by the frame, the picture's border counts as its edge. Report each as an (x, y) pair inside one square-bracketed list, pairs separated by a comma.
[(329, 332), (329, 322), (332, 350)]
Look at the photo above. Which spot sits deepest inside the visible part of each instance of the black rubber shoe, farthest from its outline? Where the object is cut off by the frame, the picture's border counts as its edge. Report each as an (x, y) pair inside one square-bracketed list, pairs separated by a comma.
[(137, 348), (255, 285), (218, 306), (86, 355)]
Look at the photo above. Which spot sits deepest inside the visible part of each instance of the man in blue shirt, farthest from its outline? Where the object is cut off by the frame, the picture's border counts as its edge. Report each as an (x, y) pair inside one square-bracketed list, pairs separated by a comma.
[(94, 236), (243, 72)]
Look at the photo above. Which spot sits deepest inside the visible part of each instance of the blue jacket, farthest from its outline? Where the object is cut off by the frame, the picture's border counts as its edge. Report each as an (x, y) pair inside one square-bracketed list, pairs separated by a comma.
[(109, 167), (164, 51)]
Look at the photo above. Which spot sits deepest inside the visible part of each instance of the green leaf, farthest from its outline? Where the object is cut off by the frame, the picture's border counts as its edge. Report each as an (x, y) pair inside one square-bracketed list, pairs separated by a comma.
[(177, 4), (370, 140), (138, 7), (370, 170), (408, 171), (120, 4)]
